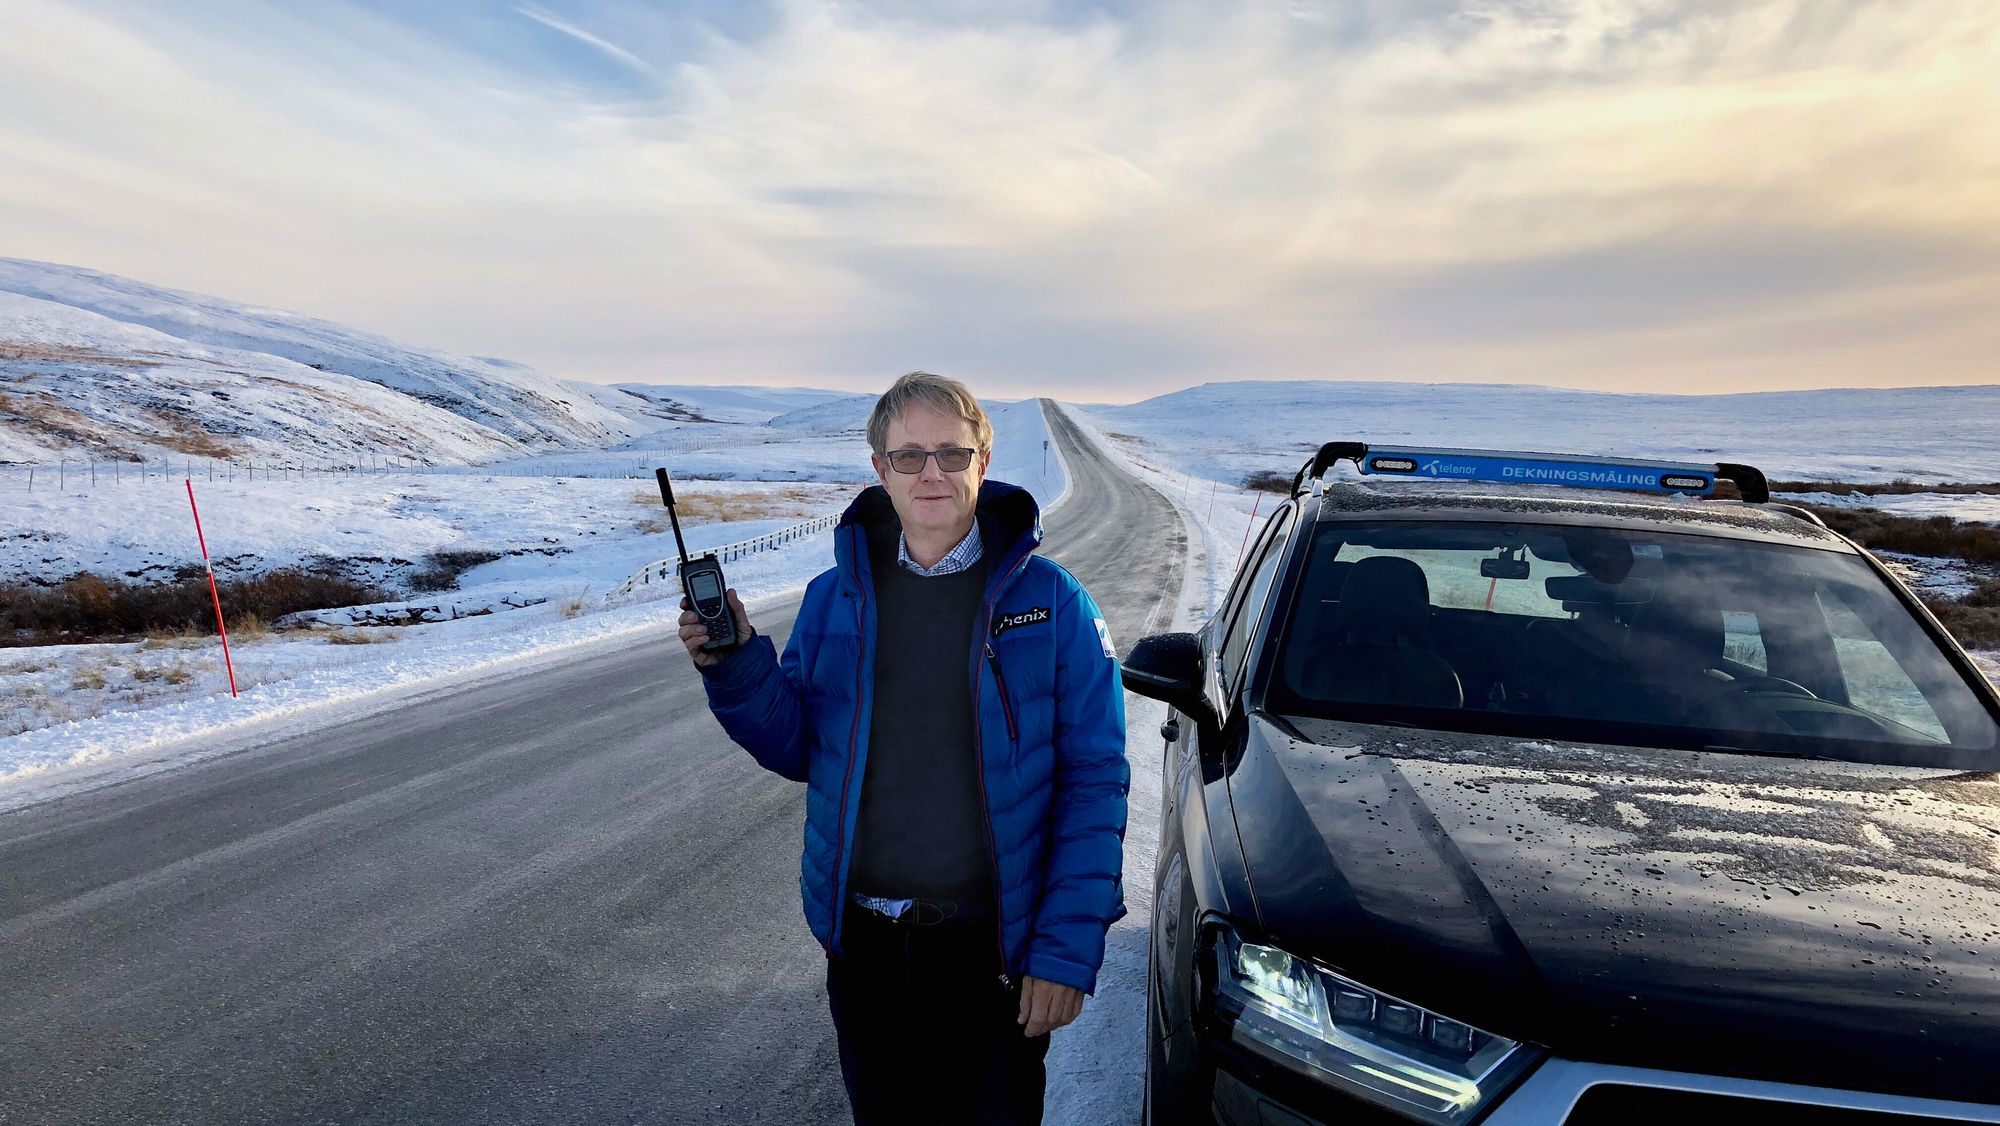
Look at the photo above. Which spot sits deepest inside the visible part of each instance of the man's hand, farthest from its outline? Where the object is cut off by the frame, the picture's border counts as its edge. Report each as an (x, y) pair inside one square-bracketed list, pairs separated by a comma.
[(693, 633), (1046, 1006)]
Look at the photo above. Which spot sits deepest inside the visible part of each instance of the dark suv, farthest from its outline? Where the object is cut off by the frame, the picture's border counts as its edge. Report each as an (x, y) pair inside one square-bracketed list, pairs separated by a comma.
[(1523, 788)]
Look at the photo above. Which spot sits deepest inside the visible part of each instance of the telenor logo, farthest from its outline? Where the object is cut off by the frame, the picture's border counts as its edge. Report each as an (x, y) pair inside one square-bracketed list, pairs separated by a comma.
[(1027, 617)]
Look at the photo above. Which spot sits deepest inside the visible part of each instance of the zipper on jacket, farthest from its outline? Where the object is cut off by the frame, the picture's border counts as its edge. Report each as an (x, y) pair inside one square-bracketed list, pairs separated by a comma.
[(986, 803), (1006, 705), (853, 741)]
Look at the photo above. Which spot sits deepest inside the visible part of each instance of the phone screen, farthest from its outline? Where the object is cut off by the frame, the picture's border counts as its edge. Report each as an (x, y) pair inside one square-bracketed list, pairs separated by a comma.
[(705, 586)]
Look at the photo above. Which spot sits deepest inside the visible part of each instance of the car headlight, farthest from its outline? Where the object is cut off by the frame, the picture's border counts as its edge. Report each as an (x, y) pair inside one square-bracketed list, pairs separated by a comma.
[(1363, 1041)]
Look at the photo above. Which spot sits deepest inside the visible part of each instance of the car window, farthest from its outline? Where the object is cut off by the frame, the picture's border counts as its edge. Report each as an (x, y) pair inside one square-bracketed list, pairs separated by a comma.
[(1875, 680), (1603, 635), (1742, 641), (1243, 618), (1455, 581), (1246, 568)]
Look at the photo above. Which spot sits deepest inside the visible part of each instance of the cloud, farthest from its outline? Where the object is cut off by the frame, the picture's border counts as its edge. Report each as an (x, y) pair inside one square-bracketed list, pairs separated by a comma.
[(610, 49), (1105, 201)]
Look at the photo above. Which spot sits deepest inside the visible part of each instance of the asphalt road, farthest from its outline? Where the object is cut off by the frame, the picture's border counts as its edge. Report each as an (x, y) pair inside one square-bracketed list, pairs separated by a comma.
[(557, 897)]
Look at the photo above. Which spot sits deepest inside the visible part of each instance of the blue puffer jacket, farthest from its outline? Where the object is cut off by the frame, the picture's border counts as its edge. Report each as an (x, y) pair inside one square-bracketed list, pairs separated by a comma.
[(1050, 736)]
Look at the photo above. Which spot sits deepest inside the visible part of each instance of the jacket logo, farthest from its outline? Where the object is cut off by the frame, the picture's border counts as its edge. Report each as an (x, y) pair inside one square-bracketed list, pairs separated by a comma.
[(1032, 616)]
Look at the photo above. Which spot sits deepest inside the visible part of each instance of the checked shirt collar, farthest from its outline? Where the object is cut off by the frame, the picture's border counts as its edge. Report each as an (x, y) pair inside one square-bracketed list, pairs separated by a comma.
[(957, 559)]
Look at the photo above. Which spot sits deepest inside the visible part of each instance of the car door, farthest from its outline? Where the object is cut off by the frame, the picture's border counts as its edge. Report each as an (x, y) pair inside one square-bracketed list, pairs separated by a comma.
[(1200, 870)]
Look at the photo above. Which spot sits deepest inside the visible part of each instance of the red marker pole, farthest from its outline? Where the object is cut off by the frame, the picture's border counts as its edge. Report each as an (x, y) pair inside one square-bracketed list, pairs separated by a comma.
[(213, 594)]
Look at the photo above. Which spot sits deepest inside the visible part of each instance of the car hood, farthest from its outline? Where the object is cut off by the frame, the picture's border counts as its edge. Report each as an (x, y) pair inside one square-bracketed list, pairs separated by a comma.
[(1800, 921)]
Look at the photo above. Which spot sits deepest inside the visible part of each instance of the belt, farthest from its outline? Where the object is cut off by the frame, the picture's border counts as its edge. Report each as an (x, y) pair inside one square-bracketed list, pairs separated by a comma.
[(907, 912)]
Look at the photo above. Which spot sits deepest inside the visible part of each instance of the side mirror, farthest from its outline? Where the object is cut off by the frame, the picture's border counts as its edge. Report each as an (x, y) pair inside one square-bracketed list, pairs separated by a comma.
[(1167, 666)]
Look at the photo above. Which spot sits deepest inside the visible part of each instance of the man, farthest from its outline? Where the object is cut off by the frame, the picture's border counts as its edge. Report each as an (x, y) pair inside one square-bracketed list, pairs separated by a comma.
[(952, 702)]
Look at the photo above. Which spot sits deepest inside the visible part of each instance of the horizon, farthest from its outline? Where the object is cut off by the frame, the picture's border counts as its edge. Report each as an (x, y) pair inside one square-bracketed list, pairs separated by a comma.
[(1118, 200)]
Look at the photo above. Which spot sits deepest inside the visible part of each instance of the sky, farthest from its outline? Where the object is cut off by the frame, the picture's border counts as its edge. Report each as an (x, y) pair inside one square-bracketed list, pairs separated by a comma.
[(1097, 201)]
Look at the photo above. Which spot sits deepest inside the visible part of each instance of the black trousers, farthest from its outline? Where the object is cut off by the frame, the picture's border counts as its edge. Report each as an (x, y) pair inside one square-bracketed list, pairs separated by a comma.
[(927, 1032)]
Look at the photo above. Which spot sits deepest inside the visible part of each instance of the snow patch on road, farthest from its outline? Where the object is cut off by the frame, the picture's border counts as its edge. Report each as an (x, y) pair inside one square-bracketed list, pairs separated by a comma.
[(1097, 1066)]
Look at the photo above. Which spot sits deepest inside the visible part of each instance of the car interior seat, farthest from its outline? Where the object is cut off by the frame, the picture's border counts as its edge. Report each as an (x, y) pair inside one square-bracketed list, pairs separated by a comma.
[(1375, 647), (1674, 657)]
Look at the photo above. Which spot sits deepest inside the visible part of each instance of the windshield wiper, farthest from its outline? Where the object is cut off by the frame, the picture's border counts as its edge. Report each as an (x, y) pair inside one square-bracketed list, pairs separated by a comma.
[(1762, 752)]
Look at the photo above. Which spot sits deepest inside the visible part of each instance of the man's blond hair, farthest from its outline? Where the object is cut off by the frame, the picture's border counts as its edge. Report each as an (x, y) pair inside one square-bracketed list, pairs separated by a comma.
[(941, 393)]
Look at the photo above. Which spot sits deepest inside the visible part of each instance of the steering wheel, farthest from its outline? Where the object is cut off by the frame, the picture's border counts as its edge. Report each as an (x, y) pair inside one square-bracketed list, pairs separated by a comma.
[(1765, 686)]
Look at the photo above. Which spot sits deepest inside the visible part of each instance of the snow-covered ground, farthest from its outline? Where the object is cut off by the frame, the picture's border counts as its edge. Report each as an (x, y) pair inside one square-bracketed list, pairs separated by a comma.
[(572, 541), (383, 523), (1963, 506), (1228, 430)]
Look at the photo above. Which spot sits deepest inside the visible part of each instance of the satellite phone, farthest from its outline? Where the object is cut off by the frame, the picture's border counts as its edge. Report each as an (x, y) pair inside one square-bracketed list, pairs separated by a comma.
[(701, 581)]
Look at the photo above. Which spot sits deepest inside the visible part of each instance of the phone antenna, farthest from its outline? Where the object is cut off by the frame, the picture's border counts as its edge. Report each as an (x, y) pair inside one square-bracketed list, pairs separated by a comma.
[(667, 497)]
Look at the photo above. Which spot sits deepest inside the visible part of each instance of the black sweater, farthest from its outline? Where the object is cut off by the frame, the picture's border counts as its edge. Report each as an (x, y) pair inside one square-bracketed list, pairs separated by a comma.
[(922, 829)]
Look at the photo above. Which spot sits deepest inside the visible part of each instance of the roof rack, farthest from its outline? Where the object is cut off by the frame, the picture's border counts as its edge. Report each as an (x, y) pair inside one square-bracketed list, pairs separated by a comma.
[(1516, 467)]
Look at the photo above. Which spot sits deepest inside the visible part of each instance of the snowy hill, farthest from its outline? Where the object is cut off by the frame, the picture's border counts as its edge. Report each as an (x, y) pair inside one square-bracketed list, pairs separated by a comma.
[(838, 416), (1228, 430), (77, 384), (516, 406), (742, 404)]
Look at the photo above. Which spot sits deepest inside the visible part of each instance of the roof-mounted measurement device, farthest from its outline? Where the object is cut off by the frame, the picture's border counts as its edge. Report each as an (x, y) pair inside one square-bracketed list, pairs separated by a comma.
[(701, 580), (1515, 467)]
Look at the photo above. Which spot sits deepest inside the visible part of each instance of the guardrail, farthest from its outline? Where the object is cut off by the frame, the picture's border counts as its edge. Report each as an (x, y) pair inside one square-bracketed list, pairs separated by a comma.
[(667, 570)]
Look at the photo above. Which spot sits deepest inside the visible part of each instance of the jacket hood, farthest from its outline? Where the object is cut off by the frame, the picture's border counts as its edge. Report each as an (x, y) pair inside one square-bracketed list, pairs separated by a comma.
[(1826, 923), (1010, 524)]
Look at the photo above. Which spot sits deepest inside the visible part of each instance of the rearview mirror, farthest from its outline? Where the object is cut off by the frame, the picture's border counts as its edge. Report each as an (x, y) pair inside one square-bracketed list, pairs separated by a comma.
[(1505, 567), (1167, 666)]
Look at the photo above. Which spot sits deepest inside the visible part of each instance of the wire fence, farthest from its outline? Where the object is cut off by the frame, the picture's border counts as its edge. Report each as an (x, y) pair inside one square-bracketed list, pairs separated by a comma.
[(667, 570), (67, 474)]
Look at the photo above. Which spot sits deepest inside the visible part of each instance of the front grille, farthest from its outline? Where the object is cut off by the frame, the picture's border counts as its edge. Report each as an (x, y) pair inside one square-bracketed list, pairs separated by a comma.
[(1618, 1104)]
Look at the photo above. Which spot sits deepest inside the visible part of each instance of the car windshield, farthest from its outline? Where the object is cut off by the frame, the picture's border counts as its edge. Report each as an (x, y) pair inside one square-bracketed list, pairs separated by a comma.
[(1611, 636)]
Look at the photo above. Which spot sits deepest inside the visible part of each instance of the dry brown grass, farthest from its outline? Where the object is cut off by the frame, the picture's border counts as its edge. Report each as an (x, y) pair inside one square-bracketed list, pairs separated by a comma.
[(702, 508), (174, 672), (21, 667), (1969, 540), (182, 436), (20, 350), (1973, 619), (91, 607), (1901, 486), (575, 606), (355, 635), (248, 627), (52, 419), (86, 678), (441, 569), (196, 444), (185, 637)]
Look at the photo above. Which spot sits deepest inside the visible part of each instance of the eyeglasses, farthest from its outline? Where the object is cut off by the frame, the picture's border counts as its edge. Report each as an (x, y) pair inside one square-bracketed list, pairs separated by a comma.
[(952, 460)]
